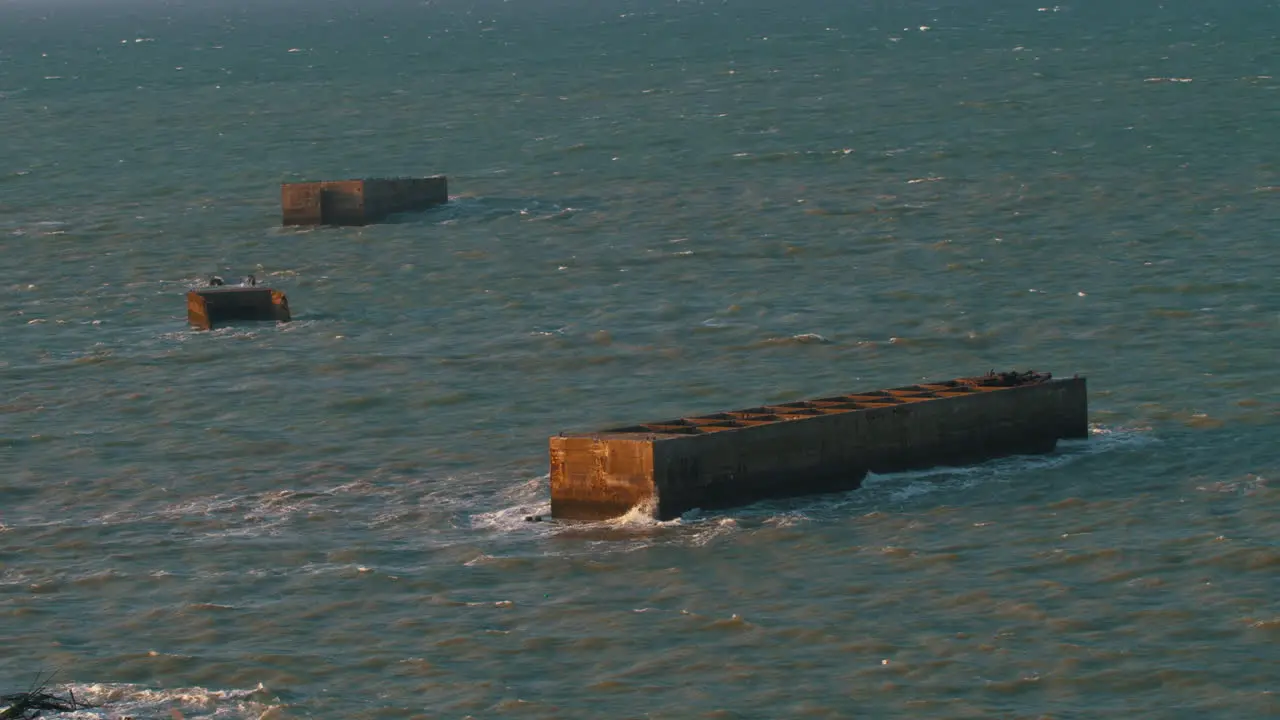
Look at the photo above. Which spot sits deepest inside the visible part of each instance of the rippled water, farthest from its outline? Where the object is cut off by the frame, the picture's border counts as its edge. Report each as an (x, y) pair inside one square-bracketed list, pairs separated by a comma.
[(659, 208)]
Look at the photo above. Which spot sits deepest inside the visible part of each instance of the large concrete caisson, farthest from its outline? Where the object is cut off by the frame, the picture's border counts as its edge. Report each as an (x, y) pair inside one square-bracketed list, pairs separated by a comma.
[(359, 202), (209, 307), (814, 446)]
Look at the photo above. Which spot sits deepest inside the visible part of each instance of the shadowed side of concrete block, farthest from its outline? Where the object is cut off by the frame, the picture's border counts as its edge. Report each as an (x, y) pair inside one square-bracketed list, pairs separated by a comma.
[(337, 202), (342, 202), (400, 195)]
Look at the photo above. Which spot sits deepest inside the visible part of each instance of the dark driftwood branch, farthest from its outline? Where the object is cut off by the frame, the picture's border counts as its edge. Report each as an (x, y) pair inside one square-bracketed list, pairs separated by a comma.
[(37, 700)]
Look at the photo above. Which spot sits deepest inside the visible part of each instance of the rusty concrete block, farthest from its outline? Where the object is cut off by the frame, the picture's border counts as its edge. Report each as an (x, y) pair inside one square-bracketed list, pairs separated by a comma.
[(813, 446), (217, 305), (359, 202)]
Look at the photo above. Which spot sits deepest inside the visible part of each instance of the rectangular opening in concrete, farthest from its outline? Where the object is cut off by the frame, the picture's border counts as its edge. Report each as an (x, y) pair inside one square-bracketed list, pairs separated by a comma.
[(665, 428), (735, 423), (824, 411), (756, 414), (709, 419), (950, 389), (794, 413), (672, 429), (637, 428), (876, 399)]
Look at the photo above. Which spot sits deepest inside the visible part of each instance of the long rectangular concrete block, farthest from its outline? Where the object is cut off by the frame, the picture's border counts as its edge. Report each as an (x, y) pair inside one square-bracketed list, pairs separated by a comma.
[(209, 307), (813, 446), (359, 202)]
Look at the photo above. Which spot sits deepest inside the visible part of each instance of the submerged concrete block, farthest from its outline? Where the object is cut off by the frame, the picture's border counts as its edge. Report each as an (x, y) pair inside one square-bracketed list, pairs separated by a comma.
[(813, 446), (359, 202), (216, 305)]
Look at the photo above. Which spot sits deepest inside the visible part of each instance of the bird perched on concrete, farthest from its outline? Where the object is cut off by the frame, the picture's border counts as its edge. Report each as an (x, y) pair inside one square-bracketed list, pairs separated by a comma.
[(215, 280), (250, 281)]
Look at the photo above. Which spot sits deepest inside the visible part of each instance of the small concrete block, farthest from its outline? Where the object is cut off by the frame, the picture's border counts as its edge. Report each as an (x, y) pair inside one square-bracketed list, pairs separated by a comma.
[(214, 306)]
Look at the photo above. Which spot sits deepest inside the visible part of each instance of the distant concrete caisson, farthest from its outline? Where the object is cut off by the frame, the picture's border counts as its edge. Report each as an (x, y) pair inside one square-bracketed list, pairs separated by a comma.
[(359, 202), (813, 446)]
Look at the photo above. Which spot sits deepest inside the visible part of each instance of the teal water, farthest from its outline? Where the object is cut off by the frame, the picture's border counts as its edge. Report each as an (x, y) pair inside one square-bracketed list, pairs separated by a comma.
[(659, 208)]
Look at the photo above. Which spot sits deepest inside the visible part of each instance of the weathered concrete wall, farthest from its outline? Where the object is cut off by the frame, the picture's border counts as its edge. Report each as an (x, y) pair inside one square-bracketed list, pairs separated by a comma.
[(600, 477), (822, 445), (359, 202), (210, 307), (300, 203)]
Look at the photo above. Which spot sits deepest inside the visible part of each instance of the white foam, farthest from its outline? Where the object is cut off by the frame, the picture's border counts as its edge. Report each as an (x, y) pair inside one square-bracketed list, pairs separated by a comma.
[(640, 515), (712, 529), (530, 501), (510, 519), (117, 700), (787, 519)]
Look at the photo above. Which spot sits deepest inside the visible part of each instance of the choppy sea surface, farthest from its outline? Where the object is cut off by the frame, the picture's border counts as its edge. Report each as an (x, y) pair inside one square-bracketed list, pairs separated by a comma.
[(658, 208)]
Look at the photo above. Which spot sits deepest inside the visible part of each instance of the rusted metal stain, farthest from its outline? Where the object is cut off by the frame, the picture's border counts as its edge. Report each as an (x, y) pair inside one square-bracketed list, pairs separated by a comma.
[(197, 313), (819, 445), (281, 306)]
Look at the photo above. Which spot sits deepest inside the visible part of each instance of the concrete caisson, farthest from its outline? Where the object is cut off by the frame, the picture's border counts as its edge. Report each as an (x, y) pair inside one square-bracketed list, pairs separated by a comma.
[(813, 446), (359, 202), (216, 305)]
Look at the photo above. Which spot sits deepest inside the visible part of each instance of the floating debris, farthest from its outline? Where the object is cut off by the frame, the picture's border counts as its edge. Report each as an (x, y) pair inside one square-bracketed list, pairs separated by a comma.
[(38, 700)]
